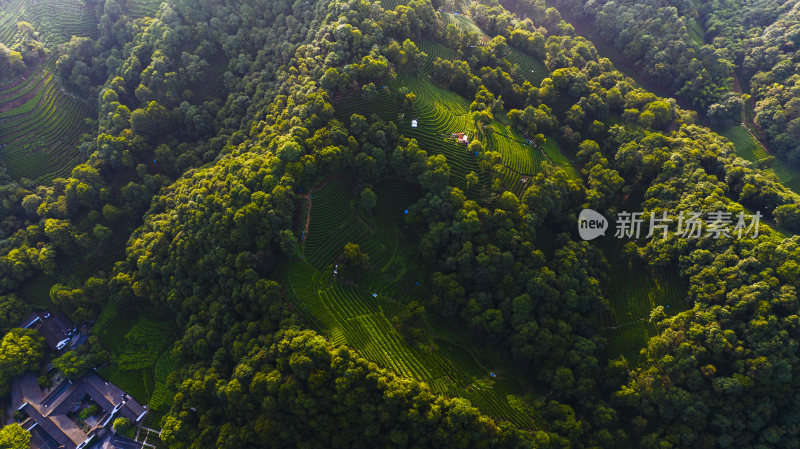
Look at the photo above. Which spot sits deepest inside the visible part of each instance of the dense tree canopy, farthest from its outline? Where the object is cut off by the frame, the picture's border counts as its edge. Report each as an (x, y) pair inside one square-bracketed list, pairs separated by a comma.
[(13, 436), (216, 118), (20, 350)]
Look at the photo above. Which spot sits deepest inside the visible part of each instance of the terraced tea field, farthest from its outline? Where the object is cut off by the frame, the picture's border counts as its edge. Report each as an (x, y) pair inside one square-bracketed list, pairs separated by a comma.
[(55, 20), (140, 354), (526, 67), (695, 31), (40, 127), (633, 292), (465, 23), (440, 113), (142, 8), (519, 157), (161, 399), (748, 148), (361, 315)]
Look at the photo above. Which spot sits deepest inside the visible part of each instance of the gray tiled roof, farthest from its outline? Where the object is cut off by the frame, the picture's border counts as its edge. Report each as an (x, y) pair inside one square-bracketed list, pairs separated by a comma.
[(50, 412)]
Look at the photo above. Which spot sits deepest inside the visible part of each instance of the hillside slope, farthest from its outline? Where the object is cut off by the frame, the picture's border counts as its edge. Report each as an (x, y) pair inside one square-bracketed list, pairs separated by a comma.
[(352, 224)]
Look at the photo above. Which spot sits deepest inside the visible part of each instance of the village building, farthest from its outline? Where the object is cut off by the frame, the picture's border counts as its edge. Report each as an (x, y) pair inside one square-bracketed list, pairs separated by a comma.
[(49, 414), (57, 329), (461, 137)]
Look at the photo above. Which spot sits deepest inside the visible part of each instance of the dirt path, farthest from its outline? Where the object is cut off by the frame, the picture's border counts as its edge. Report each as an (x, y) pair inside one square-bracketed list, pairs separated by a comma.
[(737, 87), (310, 201), (72, 96), (624, 324)]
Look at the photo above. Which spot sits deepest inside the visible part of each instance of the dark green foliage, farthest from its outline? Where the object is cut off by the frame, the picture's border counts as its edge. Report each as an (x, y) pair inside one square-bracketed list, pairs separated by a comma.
[(354, 261), (285, 398), (72, 365), (122, 426), (12, 311), (75, 364), (236, 148), (409, 321), (788, 217), (659, 38), (11, 60), (79, 67)]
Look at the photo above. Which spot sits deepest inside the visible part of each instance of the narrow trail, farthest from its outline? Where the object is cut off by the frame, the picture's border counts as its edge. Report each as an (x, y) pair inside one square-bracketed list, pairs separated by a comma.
[(624, 324), (72, 96), (310, 200), (737, 88)]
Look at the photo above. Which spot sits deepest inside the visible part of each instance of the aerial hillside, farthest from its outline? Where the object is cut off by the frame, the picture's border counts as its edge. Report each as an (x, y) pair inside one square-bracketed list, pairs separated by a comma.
[(44, 117), (732, 61), (353, 224)]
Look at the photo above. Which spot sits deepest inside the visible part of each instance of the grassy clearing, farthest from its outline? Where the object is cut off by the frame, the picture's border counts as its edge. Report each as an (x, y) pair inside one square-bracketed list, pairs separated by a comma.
[(748, 148), (526, 67), (360, 314), (139, 348), (634, 290)]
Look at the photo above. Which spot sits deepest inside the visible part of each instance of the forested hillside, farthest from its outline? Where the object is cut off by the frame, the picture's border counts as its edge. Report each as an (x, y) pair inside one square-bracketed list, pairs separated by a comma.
[(733, 61), (353, 224)]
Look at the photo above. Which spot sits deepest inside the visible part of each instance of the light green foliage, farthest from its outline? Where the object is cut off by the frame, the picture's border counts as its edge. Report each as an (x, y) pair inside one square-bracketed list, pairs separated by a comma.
[(121, 425), (13, 436), (20, 350)]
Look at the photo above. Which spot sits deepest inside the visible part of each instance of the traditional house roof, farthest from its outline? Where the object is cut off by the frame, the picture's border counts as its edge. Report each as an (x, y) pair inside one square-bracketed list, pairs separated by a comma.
[(50, 411), (56, 329), (34, 320), (24, 389), (49, 427), (461, 137)]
